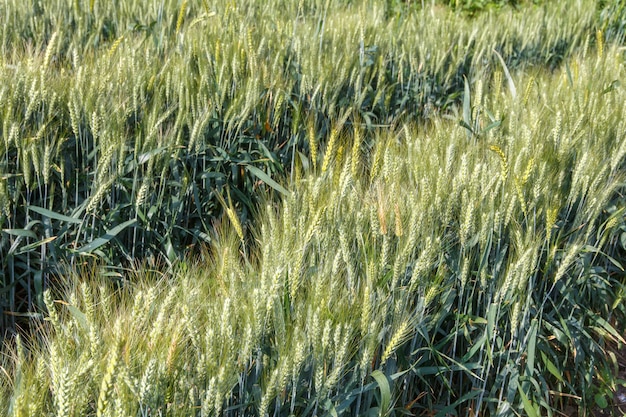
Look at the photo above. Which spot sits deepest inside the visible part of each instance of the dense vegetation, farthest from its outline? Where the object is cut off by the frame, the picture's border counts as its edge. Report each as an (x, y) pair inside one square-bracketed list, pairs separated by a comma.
[(349, 207)]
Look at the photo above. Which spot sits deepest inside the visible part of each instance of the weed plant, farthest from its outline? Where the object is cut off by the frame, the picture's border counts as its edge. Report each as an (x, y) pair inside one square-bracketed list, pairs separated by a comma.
[(471, 268)]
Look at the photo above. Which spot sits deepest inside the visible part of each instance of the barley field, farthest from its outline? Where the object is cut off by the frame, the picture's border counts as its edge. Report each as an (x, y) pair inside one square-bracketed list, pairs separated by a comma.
[(323, 207)]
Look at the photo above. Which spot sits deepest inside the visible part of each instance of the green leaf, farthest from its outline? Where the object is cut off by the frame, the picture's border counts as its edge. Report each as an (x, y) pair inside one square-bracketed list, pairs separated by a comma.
[(80, 317), (467, 108), (146, 156), (601, 401), (551, 367), (528, 407), (477, 345), (493, 125), (385, 391), (56, 216), (491, 320), (105, 238), (450, 409), (32, 246), (614, 85), (593, 249), (532, 344), (462, 123), (266, 179), (507, 74), (569, 75), (20, 233), (605, 328)]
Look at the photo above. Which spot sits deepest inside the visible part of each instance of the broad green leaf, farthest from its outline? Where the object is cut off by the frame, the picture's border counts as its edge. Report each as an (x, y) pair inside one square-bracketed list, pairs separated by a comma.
[(593, 249), (470, 131), (570, 79), (493, 125), (476, 346)]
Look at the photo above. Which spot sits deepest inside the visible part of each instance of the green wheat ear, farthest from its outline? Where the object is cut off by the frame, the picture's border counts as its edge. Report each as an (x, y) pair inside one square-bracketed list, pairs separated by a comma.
[(181, 16), (504, 166), (312, 137), (106, 386), (115, 45), (330, 149), (356, 149), (399, 337)]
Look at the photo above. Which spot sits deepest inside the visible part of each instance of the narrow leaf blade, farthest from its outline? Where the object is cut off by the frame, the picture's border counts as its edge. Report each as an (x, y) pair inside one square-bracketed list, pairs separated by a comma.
[(105, 238), (56, 216), (507, 74), (266, 179)]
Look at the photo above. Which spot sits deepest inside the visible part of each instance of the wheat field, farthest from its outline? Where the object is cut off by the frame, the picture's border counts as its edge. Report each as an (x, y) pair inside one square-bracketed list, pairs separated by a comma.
[(316, 208)]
